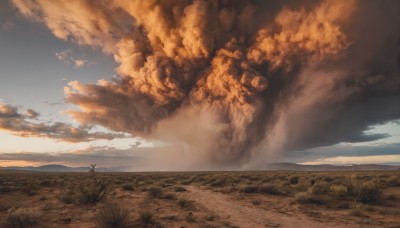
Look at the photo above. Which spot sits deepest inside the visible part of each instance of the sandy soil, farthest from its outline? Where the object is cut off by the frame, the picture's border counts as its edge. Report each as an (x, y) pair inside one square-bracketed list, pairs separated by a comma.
[(209, 207), (241, 214)]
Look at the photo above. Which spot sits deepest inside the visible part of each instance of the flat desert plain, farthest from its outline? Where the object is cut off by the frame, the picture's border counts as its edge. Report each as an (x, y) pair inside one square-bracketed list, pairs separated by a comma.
[(200, 199)]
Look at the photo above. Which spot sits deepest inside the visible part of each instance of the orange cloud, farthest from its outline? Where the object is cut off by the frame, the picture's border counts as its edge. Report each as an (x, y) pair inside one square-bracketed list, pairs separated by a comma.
[(257, 70), (23, 125)]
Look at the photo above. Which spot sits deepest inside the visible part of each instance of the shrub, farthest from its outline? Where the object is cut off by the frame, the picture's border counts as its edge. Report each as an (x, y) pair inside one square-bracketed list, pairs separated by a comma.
[(67, 196), (307, 198), (294, 179), (184, 202), (21, 218), (95, 190), (356, 210), (367, 192), (328, 179), (338, 191), (320, 188), (228, 189), (45, 183), (391, 197), (128, 186), (217, 183), (190, 218), (29, 189), (269, 189), (113, 215), (5, 189), (393, 181), (146, 217), (248, 189), (180, 189), (155, 192), (343, 205), (169, 196)]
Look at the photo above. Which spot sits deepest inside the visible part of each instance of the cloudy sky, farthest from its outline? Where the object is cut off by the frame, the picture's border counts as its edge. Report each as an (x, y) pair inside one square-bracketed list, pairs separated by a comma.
[(181, 85)]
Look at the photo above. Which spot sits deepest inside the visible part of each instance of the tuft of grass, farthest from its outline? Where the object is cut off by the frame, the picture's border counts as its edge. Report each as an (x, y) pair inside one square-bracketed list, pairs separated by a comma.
[(180, 189), (320, 188), (307, 198), (294, 179), (338, 191), (146, 217), (113, 215), (190, 218), (184, 202), (67, 196), (393, 181), (29, 189), (127, 186), (269, 189), (356, 210), (391, 197), (248, 189), (367, 192), (155, 192), (21, 218)]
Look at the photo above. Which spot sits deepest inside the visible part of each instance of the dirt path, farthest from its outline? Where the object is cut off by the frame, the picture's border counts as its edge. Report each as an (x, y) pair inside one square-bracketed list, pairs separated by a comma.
[(242, 215)]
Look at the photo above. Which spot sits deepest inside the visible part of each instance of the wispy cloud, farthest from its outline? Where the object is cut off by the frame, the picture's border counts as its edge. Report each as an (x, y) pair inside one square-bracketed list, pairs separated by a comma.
[(68, 57), (8, 25), (347, 153), (348, 160), (104, 156), (27, 125)]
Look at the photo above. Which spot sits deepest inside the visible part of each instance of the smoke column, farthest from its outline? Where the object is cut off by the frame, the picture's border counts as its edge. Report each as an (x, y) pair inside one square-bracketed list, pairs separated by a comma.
[(234, 83)]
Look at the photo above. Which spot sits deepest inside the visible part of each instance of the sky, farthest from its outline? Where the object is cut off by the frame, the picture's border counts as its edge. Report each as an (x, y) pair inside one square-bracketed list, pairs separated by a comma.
[(198, 85)]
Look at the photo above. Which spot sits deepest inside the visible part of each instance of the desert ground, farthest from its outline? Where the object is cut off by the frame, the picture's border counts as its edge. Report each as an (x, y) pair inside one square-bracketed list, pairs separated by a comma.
[(200, 199)]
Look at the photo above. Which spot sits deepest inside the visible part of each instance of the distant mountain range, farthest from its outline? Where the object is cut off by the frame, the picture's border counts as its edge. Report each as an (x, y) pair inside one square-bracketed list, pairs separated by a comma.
[(55, 168), (275, 167), (327, 167)]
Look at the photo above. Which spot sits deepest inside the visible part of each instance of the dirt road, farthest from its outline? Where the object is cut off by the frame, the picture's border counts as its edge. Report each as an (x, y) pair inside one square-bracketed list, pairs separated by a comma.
[(243, 215)]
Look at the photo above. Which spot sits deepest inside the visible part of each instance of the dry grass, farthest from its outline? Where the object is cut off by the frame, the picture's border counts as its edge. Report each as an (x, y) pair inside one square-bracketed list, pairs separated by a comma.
[(21, 218), (168, 195), (113, 215), (146, 217)]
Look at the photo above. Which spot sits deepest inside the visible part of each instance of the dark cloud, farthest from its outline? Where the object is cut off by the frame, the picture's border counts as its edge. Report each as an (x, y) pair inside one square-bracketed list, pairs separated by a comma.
[(236, 82), (25, 125)]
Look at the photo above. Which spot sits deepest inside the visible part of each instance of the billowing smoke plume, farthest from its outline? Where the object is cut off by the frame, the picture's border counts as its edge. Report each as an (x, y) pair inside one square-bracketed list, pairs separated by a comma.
[(235, 81)]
